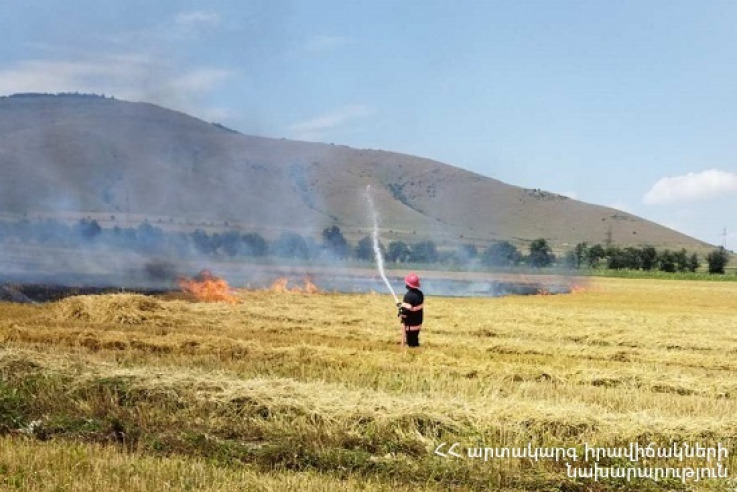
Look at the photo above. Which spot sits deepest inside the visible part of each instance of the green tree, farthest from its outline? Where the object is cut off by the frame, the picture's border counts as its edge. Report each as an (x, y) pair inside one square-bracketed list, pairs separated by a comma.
[(365, 249), (667, 260), (469, 250), (398, 252), (616, 258), (717, 260), (334, 242), (465, 254), (681, 259), (253, 244), (424, 252), (202, 242), (502, 253), (230, 243), (541, 255), (595, 254), (649, 258), (633, 257), (126, 238), (150, 238), (693, 263), (88, 229), (290, 245)]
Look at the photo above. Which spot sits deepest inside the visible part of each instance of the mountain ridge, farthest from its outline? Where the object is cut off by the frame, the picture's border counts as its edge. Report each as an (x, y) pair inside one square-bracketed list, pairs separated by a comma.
[(91, 156)]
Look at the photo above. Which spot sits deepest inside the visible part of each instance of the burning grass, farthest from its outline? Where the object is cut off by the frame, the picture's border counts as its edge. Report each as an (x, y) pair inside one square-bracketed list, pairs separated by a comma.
[(206, 287), (319, 385), (281, 285)]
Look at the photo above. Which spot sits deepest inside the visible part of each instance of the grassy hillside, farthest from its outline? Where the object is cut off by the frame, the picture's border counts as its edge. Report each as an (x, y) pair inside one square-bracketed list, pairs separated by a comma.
[(121, 162), (287, 391)]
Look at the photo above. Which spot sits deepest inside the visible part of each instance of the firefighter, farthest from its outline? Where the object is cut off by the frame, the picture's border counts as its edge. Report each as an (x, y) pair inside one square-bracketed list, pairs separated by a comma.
[(410, 310)]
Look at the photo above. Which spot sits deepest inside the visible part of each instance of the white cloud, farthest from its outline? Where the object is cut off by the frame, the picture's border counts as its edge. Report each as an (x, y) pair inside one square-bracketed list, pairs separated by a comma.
[(198, 80), (61, 76), (691, 186), (133, 77), (316, 128), (197, 18), (321, 43), (191, 24), (167, 36)]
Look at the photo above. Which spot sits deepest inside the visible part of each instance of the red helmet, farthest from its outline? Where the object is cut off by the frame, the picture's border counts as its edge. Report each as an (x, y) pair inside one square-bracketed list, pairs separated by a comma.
[(412, 280)]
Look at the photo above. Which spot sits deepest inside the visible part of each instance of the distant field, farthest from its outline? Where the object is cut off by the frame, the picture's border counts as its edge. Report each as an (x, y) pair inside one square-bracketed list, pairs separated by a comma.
[(287, 391), (730, 274)]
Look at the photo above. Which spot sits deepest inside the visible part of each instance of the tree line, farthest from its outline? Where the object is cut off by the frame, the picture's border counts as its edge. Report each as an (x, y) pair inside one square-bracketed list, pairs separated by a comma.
[(645, 258), (150, 239)]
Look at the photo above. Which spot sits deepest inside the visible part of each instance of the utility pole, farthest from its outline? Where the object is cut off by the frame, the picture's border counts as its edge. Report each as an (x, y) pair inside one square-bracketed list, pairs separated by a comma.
[(724, 238), (608, 240)]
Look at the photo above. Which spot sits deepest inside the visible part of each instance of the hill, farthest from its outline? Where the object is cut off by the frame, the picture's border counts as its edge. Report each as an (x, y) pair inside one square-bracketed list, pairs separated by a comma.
[(120, 162)]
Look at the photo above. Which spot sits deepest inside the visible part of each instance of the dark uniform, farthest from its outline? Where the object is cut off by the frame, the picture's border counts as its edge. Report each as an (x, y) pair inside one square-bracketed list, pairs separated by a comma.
[(411, 314)]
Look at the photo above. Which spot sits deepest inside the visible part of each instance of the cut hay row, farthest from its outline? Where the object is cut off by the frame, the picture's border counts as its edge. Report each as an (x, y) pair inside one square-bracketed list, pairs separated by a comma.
[(53, 466), (323, 375), (276, 423), (127, 309), (287, 398)]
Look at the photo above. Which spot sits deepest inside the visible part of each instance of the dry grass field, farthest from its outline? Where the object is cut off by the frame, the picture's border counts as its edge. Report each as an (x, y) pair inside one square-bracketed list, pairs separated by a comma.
[(312, 392)]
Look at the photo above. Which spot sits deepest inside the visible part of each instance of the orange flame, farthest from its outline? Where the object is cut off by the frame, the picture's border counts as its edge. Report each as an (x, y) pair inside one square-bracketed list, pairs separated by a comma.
[(206, 287), (280, 285), (310, 287), (577, 289)]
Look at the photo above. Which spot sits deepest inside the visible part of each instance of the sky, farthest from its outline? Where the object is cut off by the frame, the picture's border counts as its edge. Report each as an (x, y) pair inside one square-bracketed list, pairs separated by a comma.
[(629, 104)]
